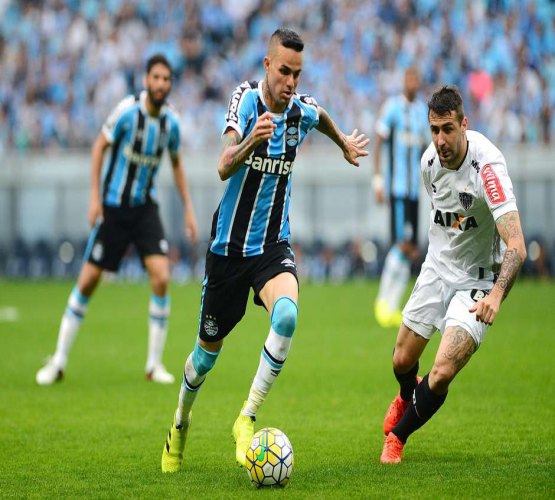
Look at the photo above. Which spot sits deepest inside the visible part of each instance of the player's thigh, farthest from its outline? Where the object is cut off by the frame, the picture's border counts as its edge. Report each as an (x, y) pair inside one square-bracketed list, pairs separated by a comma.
[(225, 291), (148, 232), (424, 312), (458, 314), (109, 239), (274, 275), (455, 350)]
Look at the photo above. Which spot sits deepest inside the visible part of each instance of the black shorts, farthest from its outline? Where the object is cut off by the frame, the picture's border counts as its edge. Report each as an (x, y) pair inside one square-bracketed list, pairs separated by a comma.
[(226, 285), (109, 240), (404, 220)]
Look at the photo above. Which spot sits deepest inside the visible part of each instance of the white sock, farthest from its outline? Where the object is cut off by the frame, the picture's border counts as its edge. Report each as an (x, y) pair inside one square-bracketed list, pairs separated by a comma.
[(272, 358), (399, 285), (159, 310), (190, 386), (74, 314)]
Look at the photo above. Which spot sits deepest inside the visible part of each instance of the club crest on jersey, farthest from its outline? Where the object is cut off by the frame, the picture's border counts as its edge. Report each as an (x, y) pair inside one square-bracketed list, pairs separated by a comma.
[(270, 165), (492, 185), (292, 136), (466, 200), (455, 220)]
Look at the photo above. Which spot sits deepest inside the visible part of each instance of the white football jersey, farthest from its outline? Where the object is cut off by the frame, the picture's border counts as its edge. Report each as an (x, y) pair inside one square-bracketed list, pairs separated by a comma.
[(464, 245)]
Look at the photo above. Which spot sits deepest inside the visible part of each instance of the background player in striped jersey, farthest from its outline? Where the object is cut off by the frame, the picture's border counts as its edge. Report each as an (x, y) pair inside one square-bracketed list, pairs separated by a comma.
[(265, 125), (403, 125), (473, 209), (124, 211)]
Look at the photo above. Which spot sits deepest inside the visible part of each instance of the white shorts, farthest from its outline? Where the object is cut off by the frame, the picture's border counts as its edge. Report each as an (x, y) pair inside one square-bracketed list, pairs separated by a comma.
[(434, 304)]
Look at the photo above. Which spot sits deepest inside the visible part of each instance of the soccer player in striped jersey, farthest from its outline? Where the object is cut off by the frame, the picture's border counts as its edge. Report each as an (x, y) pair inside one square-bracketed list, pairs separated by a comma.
[(458, 291), (265, 125), (403, 126), (123, 210)]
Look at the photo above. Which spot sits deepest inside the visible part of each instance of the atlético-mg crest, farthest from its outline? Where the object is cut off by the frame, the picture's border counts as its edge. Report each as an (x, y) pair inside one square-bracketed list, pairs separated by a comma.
[(466, 200)]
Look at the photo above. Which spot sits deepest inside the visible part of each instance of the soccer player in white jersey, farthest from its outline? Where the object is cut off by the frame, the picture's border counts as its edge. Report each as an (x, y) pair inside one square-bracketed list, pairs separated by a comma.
[(465, 276), (265, 125), (123, 210)]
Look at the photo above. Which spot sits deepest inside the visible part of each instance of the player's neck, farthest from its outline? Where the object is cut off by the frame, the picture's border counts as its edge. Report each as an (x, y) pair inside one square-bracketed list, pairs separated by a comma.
[(456, 164), (151, 108), (269, 101)]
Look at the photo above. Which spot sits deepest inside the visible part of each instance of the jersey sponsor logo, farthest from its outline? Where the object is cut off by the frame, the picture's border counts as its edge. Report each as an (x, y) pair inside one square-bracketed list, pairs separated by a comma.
[(455, 220), (493, 187), (234, 102), (133, 157), (210, 326), (276, 166), (466, 200), (477, 295)]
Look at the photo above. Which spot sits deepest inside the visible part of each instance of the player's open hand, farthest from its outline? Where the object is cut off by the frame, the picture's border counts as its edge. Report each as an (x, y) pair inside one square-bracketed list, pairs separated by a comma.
[(95, 212), (191, 229), (263, 128), (486, 309), (354, 147)]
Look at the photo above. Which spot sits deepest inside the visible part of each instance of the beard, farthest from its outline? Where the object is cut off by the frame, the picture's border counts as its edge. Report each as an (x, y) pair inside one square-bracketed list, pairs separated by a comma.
[(156, 101)]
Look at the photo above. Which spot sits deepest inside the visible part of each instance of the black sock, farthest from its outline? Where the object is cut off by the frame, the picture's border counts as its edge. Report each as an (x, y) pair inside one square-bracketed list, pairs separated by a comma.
[(423, 406), (407, 381)]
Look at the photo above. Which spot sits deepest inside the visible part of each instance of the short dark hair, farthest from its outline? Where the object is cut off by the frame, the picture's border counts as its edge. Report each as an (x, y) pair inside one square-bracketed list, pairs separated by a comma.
[(158, 59), (445, 100), (288, 38)]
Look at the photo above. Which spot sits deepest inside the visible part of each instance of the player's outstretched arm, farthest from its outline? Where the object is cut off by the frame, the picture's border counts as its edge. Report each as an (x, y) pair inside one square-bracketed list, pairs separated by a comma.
[(235, 151), (351, 145), (510, 231), (100, 145), (189, 218)]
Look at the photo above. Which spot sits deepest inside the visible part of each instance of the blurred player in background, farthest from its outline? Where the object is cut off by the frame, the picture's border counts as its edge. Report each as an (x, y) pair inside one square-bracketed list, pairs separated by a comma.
[(403, 125), (265, 125), (458, 291), (123, 210)]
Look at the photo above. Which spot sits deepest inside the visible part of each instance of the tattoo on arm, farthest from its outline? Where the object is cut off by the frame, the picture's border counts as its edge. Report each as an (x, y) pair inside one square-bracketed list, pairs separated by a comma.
[(510, 231), (234, 153)]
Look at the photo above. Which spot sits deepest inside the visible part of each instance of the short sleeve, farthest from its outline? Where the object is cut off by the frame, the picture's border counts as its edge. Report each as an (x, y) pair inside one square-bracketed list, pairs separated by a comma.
[(240, 110), (115, 124), (498, 188)]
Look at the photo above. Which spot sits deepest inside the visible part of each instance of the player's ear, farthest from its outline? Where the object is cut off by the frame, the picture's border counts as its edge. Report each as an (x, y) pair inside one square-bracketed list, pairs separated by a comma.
[(266, 63), (464, 124)]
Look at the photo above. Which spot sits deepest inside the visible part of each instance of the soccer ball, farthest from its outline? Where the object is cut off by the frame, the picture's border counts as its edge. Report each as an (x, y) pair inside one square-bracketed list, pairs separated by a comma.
[(270, 458)]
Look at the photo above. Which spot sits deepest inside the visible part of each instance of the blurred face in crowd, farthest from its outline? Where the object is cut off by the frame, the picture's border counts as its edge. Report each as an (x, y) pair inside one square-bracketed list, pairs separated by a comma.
[(158, 83), (449, 138), (412, 83), (283, 70)]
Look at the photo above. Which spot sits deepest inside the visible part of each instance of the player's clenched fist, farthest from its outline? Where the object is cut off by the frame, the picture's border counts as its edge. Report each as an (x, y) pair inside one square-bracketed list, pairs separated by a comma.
[(263, 128)]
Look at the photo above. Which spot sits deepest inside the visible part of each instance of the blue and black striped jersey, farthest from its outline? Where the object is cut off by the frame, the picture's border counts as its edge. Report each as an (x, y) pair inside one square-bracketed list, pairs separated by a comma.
[(404, 125), (254, 211), (138, 141)]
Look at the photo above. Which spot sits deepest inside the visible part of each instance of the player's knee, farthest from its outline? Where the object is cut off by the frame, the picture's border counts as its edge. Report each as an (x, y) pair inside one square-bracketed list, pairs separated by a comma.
[(284, 316), (402, 361), (441, 375), (203, 360)]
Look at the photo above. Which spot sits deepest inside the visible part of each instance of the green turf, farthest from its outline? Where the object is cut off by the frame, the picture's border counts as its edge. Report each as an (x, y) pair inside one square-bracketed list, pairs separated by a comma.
[(100, 432)]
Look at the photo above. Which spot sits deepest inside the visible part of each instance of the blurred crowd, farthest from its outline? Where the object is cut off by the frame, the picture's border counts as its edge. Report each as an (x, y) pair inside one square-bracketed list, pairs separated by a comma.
[(317, 262), (65, 63)]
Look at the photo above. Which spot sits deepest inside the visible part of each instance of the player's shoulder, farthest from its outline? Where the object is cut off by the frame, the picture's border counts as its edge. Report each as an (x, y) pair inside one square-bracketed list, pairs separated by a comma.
[(483, 152), (429, 157), (245, 88), (172, 115), (127, 104)]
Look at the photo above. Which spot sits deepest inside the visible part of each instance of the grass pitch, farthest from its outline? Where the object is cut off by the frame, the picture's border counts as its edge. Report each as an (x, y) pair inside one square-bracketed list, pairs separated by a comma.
[(100, 432)]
